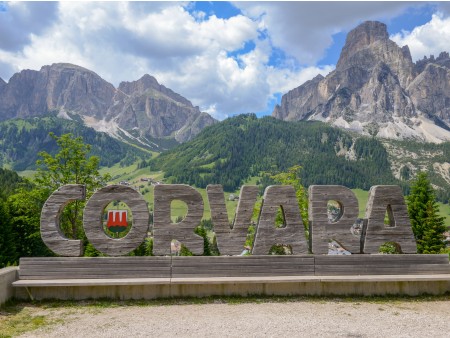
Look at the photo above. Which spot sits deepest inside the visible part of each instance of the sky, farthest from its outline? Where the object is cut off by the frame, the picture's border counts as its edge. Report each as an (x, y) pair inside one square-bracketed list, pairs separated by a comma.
[(225, 57)]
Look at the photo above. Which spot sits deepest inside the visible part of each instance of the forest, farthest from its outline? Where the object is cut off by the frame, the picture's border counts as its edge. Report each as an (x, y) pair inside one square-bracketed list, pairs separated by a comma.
[(241, 147)]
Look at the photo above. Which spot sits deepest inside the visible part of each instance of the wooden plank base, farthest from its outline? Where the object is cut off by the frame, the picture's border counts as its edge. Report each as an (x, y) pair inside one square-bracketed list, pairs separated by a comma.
[(159, 277)]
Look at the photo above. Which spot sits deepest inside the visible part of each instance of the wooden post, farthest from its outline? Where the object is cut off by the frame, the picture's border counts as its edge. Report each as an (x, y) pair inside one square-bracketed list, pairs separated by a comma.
[(164, 231), (322, 228), (50, 220), (93, 225), (231, 239), (388, 198), (293, 234)]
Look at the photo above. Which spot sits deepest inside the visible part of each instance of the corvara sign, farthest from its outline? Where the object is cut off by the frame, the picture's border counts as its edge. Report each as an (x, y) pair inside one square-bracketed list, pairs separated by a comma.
[(231, 238)]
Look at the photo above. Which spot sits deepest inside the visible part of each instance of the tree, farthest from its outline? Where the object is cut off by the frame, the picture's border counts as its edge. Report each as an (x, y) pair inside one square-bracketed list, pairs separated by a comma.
[(70, 165), (25, 209), (8, 253), (427, 226)]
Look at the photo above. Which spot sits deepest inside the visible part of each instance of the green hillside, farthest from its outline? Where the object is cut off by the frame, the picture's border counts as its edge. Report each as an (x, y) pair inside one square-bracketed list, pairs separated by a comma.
[(241, 147), (22, 139)]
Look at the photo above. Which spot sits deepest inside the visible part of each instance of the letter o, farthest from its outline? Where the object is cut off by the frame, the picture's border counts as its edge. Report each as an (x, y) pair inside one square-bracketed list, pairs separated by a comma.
[(92, 220)]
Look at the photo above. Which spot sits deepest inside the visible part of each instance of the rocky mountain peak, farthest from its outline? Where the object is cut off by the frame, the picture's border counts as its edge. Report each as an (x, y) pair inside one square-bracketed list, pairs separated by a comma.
[(2, 82), (138, 110), (376, 89), (361, 37), (368, 44), (148, 82), (140, 86)]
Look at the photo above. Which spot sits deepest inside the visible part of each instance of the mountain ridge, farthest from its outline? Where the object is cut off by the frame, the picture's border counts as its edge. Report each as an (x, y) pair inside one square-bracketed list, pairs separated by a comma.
[(140, 109), (376, 89)]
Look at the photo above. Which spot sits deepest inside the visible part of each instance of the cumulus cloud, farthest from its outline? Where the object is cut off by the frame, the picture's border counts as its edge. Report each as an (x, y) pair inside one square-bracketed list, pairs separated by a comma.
[(429, 39), (223, 65), (20, 20), (304, 29), (201, 57)]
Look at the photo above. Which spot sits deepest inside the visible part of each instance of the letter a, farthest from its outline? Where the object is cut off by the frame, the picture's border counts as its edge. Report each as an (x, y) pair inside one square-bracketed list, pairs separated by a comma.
[(292, 234), (388, 198)]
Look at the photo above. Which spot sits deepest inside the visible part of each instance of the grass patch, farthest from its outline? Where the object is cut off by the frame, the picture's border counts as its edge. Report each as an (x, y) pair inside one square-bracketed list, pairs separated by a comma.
[(444, 211), (362, 197), (16, 307), (16, 319)]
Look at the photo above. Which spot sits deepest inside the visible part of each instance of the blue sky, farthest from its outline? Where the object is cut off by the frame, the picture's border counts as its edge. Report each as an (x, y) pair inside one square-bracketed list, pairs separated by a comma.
[(226, 57)]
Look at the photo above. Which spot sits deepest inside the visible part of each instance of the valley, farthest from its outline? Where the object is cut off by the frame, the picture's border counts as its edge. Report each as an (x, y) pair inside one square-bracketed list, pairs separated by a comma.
[(378, 118)]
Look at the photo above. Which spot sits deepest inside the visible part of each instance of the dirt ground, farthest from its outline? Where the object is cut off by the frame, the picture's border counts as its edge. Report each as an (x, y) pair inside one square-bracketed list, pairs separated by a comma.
[(319, 318)]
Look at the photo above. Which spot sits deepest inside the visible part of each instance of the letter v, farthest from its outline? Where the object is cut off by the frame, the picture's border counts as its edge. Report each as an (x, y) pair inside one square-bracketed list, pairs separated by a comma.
[(231, 240)]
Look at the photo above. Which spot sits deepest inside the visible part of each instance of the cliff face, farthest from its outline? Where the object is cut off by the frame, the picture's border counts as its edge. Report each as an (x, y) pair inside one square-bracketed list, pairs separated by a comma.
[(376, 89), (136, 109)]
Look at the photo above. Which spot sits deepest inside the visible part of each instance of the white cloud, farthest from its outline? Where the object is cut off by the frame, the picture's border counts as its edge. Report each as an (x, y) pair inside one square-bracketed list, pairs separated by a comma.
[(19, 20), (283, 81), (428, 39), (304, 29), (203, 57), (200, 57)]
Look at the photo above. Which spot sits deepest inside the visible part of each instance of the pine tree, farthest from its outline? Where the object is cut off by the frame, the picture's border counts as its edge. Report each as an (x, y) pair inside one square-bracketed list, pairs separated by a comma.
[(427, 226)]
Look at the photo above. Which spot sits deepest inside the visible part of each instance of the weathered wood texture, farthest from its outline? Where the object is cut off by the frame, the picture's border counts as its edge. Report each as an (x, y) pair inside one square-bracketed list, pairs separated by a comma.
[(381, 265), (51, 233), (231, 240), (93, 226), (164, 231), (94, 267), (382, 199), (322, 228), (76, 268), (242, 266), (293, 234)]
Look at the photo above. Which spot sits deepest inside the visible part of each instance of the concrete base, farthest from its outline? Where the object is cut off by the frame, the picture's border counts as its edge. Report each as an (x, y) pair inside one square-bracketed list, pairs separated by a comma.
[(277, 286), (7, 277)]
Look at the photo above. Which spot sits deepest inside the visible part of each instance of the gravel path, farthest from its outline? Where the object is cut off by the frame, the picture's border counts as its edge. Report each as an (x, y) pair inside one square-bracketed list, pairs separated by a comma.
[(326, 318)]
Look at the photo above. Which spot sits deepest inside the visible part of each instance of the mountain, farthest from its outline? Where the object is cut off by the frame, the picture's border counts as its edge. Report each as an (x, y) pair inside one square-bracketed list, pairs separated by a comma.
[(22, 139), (377, 90), (140, 111), (239, 148)]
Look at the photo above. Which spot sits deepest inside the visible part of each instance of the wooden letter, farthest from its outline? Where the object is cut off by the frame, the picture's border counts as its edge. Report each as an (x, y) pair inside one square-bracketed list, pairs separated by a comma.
[(322, 229), (164, 231), (93, 226), (231, 240), (388, 198), (50, 220), (267, 234)]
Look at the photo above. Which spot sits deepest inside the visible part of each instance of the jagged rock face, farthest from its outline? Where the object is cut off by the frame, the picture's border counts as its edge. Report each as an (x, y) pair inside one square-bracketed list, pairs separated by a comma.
[(430, 91), (154, 109), (56, 87), (375, 89), (144, 106), (301, 101)]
